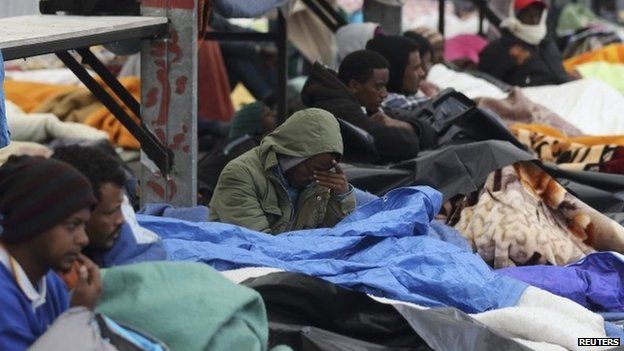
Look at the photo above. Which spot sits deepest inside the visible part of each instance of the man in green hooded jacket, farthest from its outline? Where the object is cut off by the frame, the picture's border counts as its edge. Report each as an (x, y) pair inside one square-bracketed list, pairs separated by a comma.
[(291, 181)]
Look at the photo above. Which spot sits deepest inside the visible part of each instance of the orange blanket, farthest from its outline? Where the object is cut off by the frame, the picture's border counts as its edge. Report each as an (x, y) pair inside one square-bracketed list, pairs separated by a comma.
[(613, 53), (29, 95)]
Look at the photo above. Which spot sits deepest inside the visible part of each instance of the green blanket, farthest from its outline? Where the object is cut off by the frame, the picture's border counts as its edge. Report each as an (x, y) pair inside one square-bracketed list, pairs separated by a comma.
[(188, 306), (610, 73)]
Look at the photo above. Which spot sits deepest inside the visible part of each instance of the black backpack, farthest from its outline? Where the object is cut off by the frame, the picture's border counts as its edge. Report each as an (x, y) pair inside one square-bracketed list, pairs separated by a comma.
[(91, 7)]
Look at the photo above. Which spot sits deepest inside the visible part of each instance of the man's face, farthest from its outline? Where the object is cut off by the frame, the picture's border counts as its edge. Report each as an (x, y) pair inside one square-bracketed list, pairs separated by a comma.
[(106, 219), (414, 73), (303, 174), (427, 60), (59, 246), (371, 93), (531, 14), (268, 120)]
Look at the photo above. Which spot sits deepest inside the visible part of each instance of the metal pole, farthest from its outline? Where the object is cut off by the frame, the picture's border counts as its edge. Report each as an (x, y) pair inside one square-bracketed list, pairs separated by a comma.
[(441, 16), (282, 67), (169, 102)]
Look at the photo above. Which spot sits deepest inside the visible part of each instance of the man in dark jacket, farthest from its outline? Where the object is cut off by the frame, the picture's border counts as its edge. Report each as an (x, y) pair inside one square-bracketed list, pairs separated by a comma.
[(524, 56), (407, 72), (355, 95)]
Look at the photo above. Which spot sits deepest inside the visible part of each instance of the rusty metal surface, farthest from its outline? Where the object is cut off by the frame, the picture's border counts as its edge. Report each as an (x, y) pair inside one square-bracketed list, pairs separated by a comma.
[(169, 102)]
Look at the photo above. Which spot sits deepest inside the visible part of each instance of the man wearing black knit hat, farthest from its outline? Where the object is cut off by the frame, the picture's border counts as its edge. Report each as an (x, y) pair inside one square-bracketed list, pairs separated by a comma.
[(44, 205)]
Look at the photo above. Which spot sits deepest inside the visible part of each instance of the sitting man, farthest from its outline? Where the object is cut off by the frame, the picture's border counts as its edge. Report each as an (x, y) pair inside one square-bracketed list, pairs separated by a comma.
[(291, 181), (355, 95), (115, 236), (251, 123), (524, 55), (407, 71), (44, 206)]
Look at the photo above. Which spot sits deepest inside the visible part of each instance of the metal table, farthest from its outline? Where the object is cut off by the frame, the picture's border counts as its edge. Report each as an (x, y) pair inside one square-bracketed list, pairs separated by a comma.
[(169, 59)]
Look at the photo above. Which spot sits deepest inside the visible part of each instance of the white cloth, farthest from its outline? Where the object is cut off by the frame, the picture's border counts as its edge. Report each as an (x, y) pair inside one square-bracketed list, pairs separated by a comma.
[(37, 296), (542, 317), (18, 148), (532, 34), (141, 235), (589, 104), (465, 83), (353, 37), (42, 127)]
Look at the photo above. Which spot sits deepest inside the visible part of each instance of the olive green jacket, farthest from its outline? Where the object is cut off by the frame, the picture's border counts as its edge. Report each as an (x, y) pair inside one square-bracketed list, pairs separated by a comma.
[(250, 194)]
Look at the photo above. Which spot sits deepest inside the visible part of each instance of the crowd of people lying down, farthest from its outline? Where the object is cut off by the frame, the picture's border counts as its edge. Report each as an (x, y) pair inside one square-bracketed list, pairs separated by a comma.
[(68, 218)]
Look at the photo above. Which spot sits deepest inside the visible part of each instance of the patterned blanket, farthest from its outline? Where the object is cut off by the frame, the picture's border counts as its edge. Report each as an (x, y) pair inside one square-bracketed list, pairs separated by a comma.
[(522, 216)]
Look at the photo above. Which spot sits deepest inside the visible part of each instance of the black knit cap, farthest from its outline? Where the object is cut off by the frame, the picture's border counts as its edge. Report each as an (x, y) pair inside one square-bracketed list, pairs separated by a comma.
[(37, 193), (395, 50)]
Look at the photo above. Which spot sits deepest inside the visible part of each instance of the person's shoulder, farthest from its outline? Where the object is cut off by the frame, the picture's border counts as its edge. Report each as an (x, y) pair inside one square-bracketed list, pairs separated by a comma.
[(243, 165), (11, 297)]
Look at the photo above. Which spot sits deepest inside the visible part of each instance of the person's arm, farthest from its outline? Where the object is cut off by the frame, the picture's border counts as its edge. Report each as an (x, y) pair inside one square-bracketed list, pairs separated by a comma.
[(342, 198), (496, 60), (15, 336), (392, 143), (235, 200)]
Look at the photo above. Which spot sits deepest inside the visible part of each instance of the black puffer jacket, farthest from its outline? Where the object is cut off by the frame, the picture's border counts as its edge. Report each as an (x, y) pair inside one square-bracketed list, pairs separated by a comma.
[(521, 64), (324, 90)]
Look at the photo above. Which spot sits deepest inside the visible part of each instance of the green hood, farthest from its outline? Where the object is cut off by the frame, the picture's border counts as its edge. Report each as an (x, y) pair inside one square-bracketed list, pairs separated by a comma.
[(306, 133)]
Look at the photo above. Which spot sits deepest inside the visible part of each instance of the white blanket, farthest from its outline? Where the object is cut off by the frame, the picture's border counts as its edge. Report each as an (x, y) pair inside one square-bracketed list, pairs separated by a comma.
[(546, 320), (465, 83), (591, 105), (42, 127)]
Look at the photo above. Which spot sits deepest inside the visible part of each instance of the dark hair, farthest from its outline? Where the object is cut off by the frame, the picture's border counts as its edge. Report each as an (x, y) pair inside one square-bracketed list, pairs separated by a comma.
[(424, 45), (359, 65), (95, 164), (396, 50)]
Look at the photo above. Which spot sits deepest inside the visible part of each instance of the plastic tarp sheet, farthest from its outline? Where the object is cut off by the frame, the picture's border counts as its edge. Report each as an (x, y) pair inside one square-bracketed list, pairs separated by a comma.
[(595, 282), (4, 130), (307, 313), (382, 249), (462, 169), (246, 8)]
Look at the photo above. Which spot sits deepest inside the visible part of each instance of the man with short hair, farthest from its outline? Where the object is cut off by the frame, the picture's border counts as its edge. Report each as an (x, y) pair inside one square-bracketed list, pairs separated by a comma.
[(112, 240), (44, 206), (355, 95), (524, 55), (407, 72)]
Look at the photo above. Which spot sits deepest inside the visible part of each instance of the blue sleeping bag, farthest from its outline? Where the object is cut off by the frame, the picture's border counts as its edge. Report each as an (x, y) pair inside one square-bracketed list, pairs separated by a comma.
[(383, 248), (594, 282)]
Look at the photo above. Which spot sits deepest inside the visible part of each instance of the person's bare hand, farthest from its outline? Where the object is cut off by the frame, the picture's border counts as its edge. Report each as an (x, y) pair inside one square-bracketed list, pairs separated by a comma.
[(575, 75), (89, 287), (337, 181), (387, 121), (382, 118), (428, 88)]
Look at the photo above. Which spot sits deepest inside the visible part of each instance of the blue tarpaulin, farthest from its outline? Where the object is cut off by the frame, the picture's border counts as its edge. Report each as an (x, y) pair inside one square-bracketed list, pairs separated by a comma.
[(246, 8), (4, 129), (383, 248)]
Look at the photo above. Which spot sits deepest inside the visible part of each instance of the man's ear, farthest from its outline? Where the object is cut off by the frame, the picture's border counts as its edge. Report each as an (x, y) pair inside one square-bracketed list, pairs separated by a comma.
[(354, 86)]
